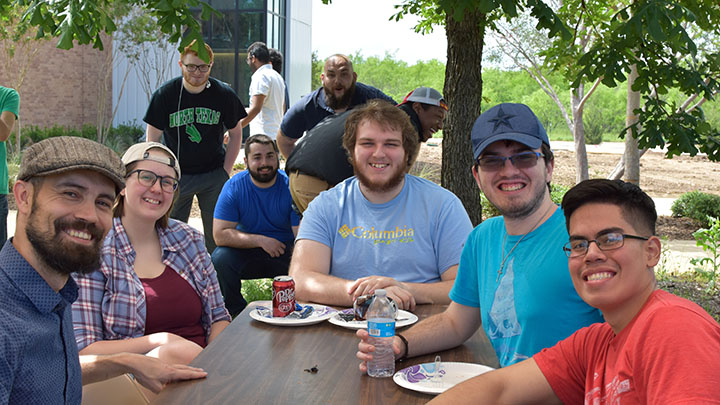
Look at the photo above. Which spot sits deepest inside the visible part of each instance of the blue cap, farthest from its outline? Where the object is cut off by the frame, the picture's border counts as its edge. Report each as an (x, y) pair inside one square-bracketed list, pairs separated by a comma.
[(507, 121)]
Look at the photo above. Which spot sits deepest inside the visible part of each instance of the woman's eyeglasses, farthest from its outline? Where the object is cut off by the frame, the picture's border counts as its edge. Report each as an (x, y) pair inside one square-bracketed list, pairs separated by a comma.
[(147, 178)]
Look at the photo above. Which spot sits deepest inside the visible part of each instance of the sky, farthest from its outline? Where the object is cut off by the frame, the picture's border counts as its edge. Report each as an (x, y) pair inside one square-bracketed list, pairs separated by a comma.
[(348, 26)]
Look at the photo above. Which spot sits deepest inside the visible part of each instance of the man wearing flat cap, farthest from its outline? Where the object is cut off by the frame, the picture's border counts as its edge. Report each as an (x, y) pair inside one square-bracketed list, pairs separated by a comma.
[(64, 193)]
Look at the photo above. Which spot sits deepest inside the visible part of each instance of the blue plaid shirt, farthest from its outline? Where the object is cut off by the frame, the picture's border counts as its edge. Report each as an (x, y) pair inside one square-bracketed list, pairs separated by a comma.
[(111, 303), (38, 358)]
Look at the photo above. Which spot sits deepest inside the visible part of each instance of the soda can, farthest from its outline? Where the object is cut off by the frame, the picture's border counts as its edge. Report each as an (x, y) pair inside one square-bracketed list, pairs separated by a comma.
[(283, 296)]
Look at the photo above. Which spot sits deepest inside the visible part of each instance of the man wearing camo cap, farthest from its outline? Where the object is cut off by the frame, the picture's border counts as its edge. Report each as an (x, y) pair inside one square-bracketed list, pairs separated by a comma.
[(64, 194)]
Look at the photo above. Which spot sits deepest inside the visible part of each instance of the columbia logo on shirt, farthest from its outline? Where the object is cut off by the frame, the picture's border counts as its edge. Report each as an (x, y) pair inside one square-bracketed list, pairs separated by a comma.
[(398, 235)]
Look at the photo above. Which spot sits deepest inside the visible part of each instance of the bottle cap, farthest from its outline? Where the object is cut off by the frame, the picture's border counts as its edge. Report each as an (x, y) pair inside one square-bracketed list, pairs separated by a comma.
[(380, 292)]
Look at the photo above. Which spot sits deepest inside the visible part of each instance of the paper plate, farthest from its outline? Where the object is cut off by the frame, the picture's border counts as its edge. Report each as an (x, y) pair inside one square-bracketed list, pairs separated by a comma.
[(320, 313), (405, 318), (419, 377)]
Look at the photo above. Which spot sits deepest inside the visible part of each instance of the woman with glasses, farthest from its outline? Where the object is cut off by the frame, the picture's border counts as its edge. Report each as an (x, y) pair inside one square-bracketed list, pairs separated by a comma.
[(156, 291)]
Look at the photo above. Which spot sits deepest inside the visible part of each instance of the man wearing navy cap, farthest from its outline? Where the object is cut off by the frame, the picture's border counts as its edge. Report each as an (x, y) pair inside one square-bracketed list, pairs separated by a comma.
[(513, 277)]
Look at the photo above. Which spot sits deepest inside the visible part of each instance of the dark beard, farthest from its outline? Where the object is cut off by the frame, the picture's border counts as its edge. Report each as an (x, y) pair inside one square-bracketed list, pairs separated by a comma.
[(380, 187), (525, 210), (263, 178), (339, 103), (63, 257)]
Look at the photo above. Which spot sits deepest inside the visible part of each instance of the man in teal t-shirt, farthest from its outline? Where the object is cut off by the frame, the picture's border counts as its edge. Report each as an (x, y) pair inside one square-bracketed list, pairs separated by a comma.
[(9, 112), (513, 278)]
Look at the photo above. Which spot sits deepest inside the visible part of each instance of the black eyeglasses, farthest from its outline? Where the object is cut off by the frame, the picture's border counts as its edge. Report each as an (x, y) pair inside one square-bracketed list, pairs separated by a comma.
[(147, 178), (524, 160), (202, 68), (608, 241)]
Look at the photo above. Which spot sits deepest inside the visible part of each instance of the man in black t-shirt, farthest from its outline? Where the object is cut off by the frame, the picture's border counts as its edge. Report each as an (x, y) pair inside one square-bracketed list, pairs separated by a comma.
[(319, 162), (191, 113)]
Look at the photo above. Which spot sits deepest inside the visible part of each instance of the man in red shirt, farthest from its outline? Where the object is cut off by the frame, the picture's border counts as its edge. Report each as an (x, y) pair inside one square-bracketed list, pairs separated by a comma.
[(653, 348)]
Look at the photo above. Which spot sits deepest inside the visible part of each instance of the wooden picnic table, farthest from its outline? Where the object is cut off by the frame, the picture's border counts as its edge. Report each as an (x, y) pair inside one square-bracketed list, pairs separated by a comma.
[(253, 362)]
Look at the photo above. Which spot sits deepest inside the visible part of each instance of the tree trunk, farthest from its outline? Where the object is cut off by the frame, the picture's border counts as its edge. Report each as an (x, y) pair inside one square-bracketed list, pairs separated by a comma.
[(463, 91), (619, 170), (632, 154), (578, 129)]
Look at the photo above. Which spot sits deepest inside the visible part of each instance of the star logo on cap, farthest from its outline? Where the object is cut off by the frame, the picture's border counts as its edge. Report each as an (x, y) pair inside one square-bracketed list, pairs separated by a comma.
[(501, 119)]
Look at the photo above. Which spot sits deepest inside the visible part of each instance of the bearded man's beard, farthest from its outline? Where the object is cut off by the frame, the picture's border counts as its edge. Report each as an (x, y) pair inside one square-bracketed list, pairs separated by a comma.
[(378, 187), (263, 177), (339, 103), (63, 256)]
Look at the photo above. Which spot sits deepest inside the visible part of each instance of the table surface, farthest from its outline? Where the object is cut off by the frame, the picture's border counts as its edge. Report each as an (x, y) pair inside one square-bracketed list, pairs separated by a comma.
[(254, 362)]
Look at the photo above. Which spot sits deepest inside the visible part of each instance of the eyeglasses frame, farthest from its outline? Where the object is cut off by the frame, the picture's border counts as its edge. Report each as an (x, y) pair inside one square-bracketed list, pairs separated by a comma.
[(568, 250), (511, 158), (193, 67), (161, 178)]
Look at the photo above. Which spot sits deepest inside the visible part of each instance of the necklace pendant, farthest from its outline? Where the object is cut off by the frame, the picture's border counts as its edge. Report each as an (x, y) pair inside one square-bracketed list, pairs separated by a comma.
[(499, 273)]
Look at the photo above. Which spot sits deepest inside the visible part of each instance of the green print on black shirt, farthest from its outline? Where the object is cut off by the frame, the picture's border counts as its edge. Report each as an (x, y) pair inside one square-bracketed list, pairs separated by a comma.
[(189, 116)]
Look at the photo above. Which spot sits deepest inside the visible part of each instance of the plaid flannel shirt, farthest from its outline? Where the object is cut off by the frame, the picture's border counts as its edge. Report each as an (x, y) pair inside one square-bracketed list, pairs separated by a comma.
[(111, 302)]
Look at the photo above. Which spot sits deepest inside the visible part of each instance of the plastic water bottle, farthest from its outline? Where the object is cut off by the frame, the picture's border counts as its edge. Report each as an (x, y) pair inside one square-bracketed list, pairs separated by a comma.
[(381, 327)]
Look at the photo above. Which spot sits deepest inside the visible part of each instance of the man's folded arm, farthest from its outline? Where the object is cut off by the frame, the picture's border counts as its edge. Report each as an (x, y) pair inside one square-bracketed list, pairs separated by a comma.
[(434, 293), (310, 267)]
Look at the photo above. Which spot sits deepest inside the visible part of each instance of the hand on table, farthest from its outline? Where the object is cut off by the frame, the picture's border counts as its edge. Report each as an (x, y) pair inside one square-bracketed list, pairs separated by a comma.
[(365, 349), (272, 246), (155, 374), (395, 290)]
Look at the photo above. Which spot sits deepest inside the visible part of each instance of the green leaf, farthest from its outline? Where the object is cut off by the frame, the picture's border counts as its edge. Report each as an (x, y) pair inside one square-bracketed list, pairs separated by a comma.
[(66, 37)]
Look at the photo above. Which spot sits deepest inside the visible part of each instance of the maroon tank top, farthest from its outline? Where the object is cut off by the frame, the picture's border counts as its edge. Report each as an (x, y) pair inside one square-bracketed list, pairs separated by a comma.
[(172, 305)]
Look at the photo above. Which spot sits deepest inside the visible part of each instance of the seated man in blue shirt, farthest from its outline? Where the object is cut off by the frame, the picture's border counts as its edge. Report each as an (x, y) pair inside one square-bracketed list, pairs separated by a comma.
[(254, 225), (382, 228), (64, 193), (340, 92)]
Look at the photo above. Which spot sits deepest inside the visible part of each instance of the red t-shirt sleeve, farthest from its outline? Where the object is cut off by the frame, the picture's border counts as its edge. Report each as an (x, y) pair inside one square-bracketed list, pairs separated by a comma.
[(565, 364), (678, 360)]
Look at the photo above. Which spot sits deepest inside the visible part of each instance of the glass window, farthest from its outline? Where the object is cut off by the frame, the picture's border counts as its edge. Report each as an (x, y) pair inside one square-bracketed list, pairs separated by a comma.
[(222, 41), (241, 23), (251, 29), (222, 5), (251, 4)]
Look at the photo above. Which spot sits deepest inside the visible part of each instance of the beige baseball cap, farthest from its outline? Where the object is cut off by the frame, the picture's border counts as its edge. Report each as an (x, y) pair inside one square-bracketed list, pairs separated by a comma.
[(141, 151)]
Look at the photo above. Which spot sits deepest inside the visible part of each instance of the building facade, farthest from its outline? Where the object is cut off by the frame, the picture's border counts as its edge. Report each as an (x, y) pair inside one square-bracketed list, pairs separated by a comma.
[(285, 25), (85, 86)]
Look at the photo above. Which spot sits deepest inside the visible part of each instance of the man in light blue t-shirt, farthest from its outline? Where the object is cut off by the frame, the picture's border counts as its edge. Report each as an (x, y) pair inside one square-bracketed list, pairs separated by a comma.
[(254, 225), (513, 278), (382, 228)]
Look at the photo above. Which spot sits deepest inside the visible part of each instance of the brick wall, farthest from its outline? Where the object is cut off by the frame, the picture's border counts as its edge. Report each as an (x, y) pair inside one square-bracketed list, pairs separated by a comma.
[(63, 87)]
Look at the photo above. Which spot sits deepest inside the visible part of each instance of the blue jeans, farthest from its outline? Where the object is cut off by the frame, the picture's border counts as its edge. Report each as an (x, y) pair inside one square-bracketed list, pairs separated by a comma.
[(233, 265), (207, 188)]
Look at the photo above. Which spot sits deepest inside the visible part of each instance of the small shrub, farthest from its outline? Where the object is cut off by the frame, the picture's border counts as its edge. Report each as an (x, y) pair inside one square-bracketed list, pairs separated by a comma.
[(709, 240), (698, 206), (120, 138), (257, 290)]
